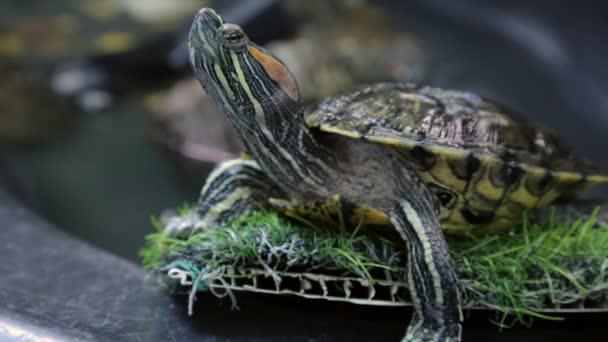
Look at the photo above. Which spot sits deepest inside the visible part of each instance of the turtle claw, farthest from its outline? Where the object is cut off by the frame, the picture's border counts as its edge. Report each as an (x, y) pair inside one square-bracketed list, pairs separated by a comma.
[(184, 226)]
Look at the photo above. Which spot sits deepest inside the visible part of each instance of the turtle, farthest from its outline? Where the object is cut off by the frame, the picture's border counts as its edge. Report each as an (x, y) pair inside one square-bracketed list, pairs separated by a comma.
[(422, 160)]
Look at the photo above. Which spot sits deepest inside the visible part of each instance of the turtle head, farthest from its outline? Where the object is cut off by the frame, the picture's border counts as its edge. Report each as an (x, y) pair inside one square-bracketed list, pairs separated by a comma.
[(243, 78)]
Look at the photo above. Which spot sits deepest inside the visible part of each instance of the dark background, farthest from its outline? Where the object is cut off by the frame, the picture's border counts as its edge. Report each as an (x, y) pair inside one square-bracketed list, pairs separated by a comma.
[(103, 180)]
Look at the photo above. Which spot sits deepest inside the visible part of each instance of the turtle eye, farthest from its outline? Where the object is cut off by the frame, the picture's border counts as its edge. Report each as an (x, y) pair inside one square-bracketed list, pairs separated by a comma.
[(233, 36)]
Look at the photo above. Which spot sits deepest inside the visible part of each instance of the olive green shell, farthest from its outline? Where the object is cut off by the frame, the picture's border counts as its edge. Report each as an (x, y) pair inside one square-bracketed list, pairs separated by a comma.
[(484, 166)]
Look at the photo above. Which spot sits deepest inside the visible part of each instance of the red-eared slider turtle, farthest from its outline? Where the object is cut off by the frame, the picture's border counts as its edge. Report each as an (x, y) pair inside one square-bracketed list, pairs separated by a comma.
[(418, 158)]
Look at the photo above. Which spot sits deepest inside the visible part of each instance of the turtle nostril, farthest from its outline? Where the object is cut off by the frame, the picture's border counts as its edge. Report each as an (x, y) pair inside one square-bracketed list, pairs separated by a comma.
[(209, 11), (206, 11), (206, 22), (208, 15)]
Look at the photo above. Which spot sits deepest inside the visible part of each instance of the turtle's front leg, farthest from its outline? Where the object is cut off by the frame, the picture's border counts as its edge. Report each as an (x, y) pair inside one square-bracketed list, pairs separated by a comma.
[(231, 190), (432, 282)]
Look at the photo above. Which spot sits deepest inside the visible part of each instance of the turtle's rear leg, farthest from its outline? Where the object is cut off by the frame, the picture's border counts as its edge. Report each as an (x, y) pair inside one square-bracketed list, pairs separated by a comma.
[(232, 189), (432, 282)]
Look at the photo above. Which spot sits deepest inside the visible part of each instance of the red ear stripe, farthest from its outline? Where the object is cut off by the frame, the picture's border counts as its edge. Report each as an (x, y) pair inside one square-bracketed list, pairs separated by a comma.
[(277, 71)]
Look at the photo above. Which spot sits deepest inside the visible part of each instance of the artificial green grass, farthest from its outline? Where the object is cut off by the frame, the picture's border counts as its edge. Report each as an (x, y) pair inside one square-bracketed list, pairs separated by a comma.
[(535, 268)]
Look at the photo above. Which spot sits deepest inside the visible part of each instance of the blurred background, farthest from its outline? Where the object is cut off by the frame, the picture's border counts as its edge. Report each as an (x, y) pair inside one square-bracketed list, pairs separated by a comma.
[(102, 125)]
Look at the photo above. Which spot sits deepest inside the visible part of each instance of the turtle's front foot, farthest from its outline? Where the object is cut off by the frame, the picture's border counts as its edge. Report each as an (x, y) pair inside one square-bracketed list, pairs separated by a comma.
[(182, 226), (434, 331), (233, 189)]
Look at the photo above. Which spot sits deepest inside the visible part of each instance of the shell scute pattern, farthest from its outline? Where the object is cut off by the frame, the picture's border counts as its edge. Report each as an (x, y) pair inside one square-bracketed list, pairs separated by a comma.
[(484, 166)]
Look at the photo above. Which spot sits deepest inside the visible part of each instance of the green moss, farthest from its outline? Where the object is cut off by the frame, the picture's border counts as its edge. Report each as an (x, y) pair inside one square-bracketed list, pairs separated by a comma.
[(535, 267), (547, 265)]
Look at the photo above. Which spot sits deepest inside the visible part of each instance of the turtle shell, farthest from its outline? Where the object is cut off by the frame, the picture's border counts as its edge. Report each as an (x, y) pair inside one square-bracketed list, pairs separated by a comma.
[(484, 165)]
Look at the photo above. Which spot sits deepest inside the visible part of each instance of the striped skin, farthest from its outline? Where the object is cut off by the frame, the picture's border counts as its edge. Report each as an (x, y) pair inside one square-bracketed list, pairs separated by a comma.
[(432, 282), (231, 190), (259, 96), (258, 106)]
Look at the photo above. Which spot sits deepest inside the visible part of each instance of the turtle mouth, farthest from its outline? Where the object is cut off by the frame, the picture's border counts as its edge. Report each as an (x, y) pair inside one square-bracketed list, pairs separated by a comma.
[(204, 30)]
